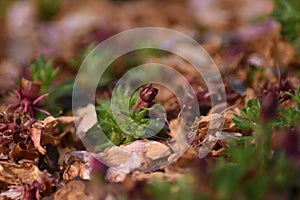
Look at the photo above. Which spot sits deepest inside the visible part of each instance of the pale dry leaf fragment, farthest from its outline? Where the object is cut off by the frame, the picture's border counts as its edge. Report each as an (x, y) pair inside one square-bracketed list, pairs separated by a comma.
[(146, 149), (228, 136), (76, 168), (180, 143), (207, 145), (213, 125), (183, 136), (208, 127), (114, 156), (132, 163), (14, 192), (152, 149), (216, 121), (35, 135), (51, 122), (86, 119), (140, 155), (118, 174), (174, 126), (65, 119)]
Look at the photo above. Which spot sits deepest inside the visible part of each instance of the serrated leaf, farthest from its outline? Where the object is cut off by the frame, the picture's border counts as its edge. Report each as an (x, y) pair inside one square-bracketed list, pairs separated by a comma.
[(123, 127), (249, 116)]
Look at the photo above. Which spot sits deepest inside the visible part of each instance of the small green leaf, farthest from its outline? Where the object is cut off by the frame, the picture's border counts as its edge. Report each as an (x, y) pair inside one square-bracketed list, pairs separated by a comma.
[(44, 72), (295, 96), (249, 116)]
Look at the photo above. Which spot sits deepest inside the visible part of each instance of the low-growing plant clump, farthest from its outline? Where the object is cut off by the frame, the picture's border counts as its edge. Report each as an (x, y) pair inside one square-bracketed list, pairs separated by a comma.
[(138, 151)]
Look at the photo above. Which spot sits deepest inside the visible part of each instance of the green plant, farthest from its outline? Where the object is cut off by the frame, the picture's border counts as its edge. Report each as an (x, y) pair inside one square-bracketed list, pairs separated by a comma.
[(179, 189), (250, 116), (287, 12), (59, 99), (48, 8), (284, 117), (44, 72), (124, 127), (250, 171), (289, 117), (252, 168), (295, 96), (76, 62)]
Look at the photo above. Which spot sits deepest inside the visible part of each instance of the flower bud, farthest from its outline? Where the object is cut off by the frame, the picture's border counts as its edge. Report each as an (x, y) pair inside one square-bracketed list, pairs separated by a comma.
[(148, 94), (30, 89)]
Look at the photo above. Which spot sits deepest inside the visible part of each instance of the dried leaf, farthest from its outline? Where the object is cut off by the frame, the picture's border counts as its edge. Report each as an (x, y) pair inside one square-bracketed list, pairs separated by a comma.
[(11, 173), (149, 152), (35, 135), (50, 133), (118, 174), (76, 167), (21, 151), (86, 119)]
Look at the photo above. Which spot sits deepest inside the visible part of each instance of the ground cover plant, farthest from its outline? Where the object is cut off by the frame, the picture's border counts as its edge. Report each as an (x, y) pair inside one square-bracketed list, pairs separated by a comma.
[(255, 155)]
